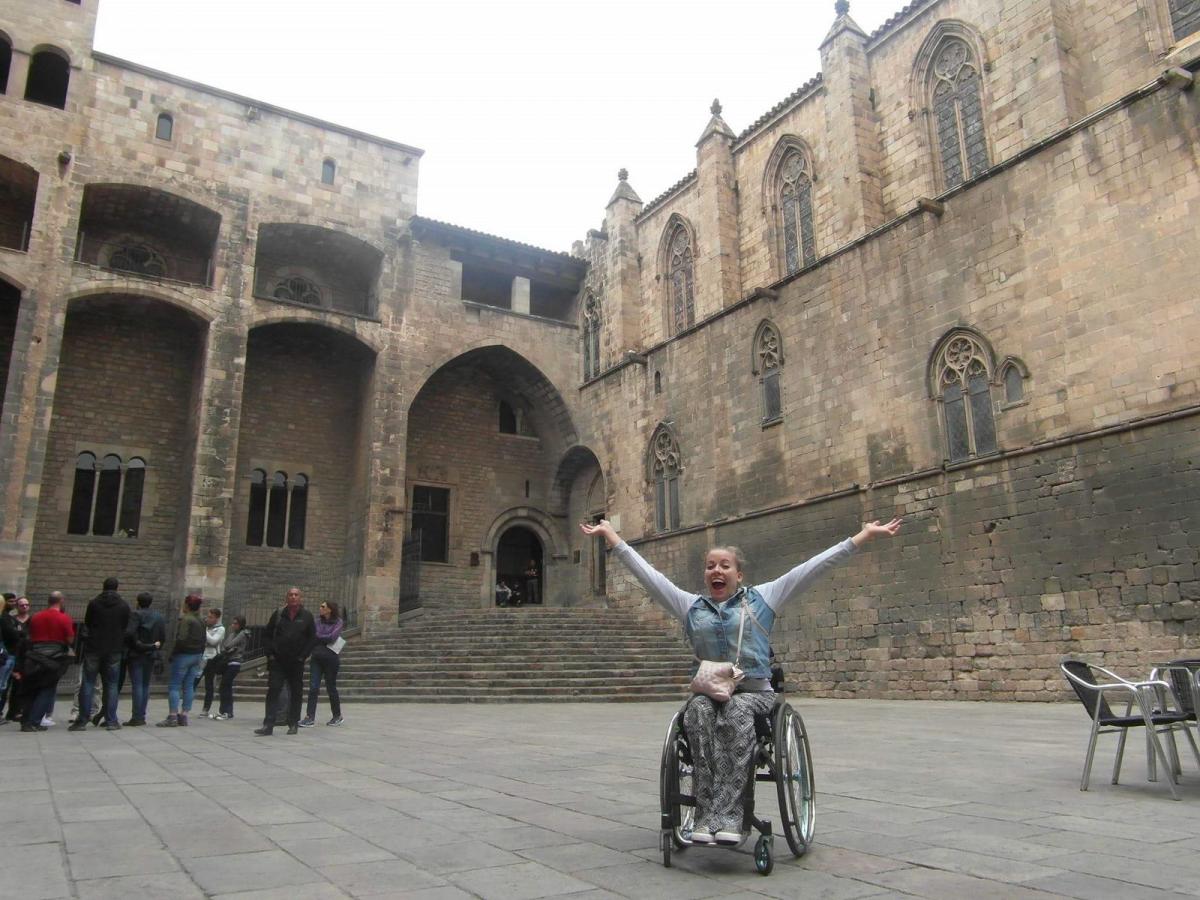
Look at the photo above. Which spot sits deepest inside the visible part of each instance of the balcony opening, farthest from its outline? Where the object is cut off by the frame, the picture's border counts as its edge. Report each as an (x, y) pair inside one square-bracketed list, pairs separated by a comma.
[(18, 195), (316, 267), (147, 233)]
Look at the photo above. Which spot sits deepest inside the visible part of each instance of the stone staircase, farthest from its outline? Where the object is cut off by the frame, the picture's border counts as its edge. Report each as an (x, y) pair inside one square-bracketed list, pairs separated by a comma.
[(509, 655)]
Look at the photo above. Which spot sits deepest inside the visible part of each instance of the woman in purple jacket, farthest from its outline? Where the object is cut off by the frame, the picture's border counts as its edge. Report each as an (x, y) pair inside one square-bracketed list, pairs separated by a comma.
[(325, 661)]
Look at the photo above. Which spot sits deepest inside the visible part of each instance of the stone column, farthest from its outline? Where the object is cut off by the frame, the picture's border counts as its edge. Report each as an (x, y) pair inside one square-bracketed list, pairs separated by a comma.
[(622, 301), (216, 419), (718, 275), (851, 130)]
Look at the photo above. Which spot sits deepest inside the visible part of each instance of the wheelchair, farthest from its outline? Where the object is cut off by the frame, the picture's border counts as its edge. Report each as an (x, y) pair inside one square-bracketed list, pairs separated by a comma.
[(781, 755)]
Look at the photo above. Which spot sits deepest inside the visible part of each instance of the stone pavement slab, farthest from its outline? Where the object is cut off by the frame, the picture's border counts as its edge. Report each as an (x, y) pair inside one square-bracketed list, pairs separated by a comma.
[(520, 802)]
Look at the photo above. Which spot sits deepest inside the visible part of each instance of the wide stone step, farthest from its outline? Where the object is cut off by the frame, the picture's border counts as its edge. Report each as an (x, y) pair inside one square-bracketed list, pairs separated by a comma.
[(510, 655)]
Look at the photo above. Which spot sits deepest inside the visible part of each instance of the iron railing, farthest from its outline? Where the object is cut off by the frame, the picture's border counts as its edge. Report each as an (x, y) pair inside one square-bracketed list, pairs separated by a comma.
[(143, 261)]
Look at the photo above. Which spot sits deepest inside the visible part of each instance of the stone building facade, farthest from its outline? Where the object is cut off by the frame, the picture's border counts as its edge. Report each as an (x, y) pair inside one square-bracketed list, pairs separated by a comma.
[(951, 277)]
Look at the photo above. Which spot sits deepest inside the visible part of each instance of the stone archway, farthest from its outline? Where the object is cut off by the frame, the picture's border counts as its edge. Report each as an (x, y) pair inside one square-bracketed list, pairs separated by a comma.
[(520, 565)]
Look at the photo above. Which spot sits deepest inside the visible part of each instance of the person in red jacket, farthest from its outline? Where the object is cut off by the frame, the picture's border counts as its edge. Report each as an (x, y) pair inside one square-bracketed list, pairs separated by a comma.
[(46, 656)]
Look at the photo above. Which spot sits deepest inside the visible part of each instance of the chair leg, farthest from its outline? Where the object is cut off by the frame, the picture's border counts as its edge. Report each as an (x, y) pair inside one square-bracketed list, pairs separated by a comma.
[(1162, 756), (1120, 754), (1091, 752), (1172, 752), (1187, 731)]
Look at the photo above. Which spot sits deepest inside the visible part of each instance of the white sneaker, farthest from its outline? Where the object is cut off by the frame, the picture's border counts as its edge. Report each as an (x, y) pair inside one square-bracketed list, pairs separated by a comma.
[(729, 837), (47, 722), (702, 836)]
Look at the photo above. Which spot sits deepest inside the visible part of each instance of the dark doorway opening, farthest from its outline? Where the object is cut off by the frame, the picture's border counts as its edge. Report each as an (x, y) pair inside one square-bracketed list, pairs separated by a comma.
[(519, 567)]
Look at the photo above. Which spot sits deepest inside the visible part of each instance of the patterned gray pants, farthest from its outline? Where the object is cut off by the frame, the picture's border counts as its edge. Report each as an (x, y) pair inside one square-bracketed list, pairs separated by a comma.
[(722, 739)]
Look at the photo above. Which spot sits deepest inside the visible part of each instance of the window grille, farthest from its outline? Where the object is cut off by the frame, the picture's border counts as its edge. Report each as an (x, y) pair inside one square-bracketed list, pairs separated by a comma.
[(680, 279), (665, 467), (795, 204), (964, 380)]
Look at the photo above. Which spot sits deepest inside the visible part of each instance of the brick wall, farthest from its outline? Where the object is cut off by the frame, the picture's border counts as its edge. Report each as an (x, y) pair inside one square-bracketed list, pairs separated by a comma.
[(111, 353), (301, 413)]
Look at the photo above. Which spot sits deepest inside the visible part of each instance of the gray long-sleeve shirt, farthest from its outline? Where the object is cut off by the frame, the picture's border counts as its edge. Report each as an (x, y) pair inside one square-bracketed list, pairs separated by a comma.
[(775, 593)]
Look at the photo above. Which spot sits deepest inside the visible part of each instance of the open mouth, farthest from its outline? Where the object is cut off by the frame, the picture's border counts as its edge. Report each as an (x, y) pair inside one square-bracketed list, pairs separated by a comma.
[(717, 584)]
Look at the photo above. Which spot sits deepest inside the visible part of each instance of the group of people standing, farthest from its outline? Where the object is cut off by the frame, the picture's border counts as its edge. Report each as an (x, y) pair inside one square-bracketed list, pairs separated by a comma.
[(115, 642)]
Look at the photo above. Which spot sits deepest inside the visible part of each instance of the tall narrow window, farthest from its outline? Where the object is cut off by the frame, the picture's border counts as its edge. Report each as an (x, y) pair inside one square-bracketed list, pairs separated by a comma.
[(164, 129), (591, 336), (958, 112), (795, 205), (328, 171), (963, 370), (1014, 384), (508, 418), (48, 79), (131, 498), (277, 497), (768, 361), (5, 63), (680, 280), (1185, 17), (256, 520), (106, 496), (297, 512), (431, 520), (79, 519), (665, 466)]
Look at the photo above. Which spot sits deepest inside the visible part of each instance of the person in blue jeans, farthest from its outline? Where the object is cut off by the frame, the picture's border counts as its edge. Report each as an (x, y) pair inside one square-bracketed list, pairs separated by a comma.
[(185, 662), (324, 663), (147, 634), (106, 623)]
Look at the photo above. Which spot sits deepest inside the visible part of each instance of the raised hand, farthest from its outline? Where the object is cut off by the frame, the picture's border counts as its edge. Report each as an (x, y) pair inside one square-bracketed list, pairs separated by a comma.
[(872, 530), (604, 529)]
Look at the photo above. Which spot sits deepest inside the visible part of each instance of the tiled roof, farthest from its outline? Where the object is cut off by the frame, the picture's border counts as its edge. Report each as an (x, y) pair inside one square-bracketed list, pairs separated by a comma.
[(895, 20), (657, 201), (781, 105), (447, 228)]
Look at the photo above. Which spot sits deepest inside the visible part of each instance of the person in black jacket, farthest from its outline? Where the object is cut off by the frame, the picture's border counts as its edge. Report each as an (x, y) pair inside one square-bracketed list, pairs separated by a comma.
[(14, 628), (185, 663), (147, 634), (106, 622), (288, 640)]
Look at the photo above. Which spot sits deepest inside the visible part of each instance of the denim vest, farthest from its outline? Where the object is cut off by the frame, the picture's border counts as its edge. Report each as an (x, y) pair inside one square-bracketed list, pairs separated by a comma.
[(712, 630)]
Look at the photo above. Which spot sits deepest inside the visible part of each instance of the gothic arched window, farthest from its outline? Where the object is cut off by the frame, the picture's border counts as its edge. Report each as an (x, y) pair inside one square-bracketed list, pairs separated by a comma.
[(1185, 17), (680, 279), (795, 208), (963, 372), (665, 466), (591, 336), (278, 513), (299, 290), (106, 496), (138, 258), (768, 361), (956, 98)]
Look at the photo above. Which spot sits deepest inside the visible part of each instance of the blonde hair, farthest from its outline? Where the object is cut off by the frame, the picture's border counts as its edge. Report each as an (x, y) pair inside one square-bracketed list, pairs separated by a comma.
[(739, 558)]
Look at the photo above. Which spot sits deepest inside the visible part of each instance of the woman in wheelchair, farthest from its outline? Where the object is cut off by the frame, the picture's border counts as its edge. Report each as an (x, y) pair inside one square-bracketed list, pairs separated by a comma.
[(722, 735)]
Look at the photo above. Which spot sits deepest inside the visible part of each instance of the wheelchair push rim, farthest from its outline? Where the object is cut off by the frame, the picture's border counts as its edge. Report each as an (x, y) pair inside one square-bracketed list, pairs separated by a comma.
[(794, 780), (675, 781)]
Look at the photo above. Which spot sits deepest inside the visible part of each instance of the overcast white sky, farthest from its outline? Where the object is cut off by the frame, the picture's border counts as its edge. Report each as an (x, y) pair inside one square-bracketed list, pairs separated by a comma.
[(525, 108)]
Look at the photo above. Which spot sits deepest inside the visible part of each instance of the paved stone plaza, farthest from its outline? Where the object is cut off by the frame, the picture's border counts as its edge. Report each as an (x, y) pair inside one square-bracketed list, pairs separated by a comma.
[(521, 801)]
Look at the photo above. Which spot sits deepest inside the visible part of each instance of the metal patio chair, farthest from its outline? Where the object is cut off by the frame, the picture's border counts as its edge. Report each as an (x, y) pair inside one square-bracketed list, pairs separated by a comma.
[(1094, 693)]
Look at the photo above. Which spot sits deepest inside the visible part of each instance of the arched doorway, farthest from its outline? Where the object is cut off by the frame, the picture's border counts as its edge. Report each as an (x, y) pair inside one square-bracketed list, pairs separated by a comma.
[(519, 564)]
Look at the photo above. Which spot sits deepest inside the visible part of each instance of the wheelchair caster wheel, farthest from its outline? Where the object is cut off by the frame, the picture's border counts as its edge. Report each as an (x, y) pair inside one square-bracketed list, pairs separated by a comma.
[(764, 861), (666, 842)]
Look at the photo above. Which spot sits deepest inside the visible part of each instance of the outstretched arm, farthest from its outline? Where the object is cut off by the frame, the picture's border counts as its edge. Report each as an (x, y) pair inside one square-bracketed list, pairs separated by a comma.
[(657, 585), (782, 589)]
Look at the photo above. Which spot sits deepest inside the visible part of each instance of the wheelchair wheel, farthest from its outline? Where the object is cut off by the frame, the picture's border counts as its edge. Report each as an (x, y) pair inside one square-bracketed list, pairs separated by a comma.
[(794, 779), (675, 781), (764, 861)]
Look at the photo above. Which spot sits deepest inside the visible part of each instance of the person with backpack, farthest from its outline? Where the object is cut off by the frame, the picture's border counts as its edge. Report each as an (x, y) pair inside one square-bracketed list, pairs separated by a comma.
[(146, 637)]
